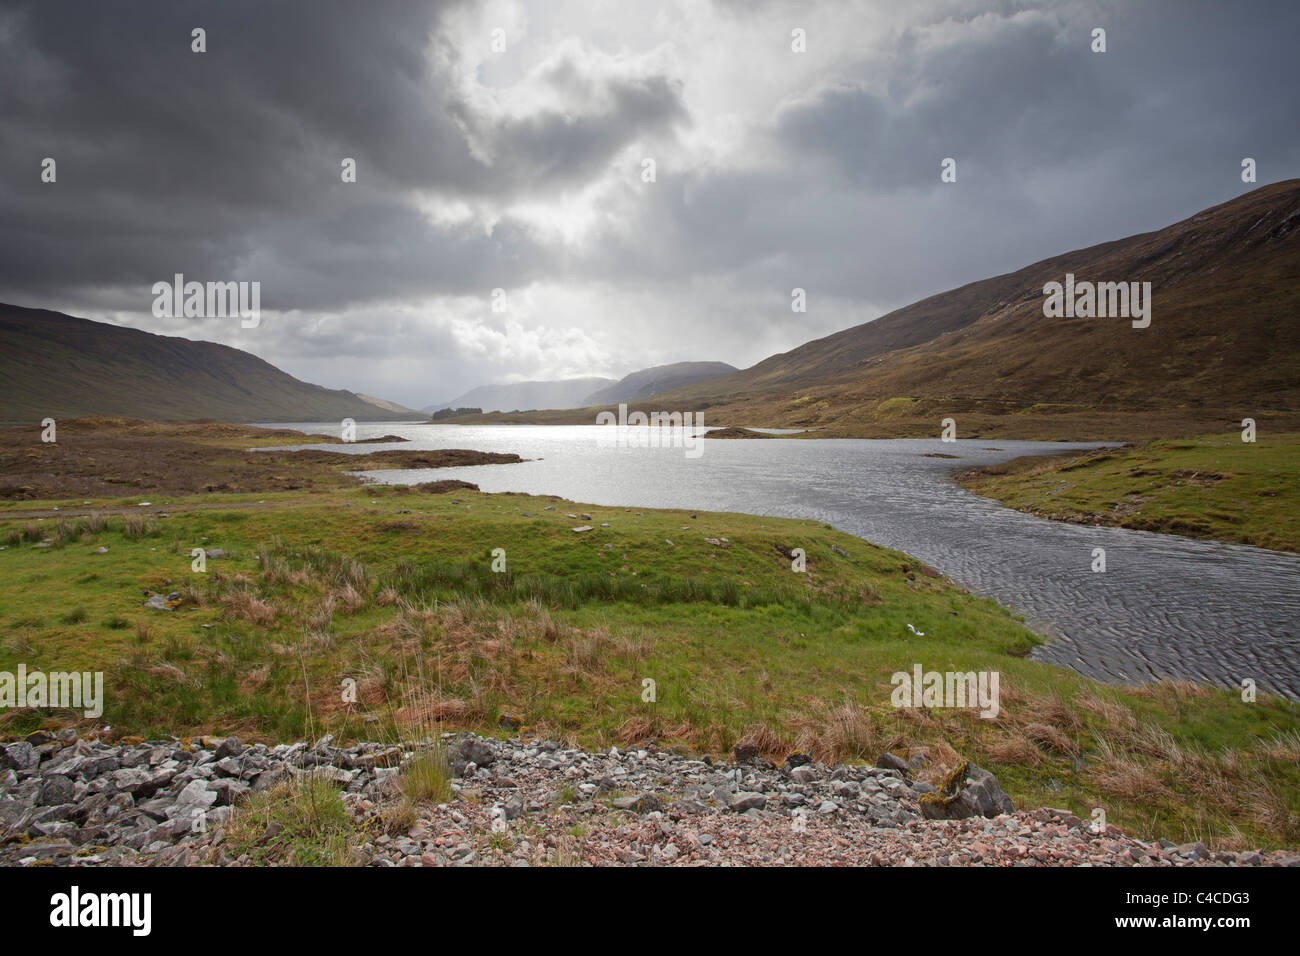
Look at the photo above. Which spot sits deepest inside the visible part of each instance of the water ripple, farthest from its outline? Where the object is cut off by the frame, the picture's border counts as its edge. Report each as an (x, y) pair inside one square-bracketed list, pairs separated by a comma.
[(1165, 606)]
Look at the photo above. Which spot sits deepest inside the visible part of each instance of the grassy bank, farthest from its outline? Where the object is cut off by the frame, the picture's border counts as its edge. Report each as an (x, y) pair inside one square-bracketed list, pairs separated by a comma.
[(394, 591), (375, 613), (831, 412), (1211, 486)]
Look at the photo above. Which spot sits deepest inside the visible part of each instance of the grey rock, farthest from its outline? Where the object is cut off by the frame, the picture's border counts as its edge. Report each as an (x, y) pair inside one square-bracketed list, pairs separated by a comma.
[(977, 794), (796, 760), (477, 753), (55, 790), (229, 792), (805, 774), (62, 811), (890, 761), (740, 802), (20, 756), (193, 798), (645, 803), (230, 747)]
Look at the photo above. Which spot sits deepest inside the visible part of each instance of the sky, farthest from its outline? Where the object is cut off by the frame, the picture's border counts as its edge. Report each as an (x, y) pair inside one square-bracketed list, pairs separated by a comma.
[(503, 145)]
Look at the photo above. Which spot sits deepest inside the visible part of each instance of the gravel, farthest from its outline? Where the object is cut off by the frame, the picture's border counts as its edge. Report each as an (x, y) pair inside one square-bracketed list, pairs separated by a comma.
[(68, 801)]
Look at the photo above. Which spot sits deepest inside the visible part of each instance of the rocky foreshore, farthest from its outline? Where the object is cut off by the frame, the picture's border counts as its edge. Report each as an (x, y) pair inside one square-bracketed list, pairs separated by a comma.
[(71, 801)]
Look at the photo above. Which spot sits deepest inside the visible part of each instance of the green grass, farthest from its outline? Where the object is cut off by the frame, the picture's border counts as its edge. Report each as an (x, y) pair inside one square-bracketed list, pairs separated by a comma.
[(321, 591), (893, 407), (426, 777), (299, 824), (1212, 486)]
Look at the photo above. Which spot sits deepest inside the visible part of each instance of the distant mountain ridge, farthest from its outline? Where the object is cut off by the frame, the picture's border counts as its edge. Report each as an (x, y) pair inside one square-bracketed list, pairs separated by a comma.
[(512, 396), (657, 380), (60, 366), (571, 393)]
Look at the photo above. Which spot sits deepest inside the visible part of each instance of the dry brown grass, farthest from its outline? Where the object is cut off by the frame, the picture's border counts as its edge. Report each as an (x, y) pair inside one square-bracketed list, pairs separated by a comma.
[(254, 679), (435, 707), (846, 731), (168, 670), (1049, 738), (246, 606), (1108, 710), (319, 615), (768, 741), (1123, 773), (1055, 713), (1283, 746), (542, 625), (192, 595), (1268, 807), (635, 729), (588, 652), (1015, 748)]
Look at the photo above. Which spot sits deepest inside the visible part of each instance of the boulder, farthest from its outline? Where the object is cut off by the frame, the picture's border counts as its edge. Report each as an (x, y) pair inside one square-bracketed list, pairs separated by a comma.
[(888, 761), (645, 803), (195, 798), (475, 752), (797, 759), (56, 790), (230, 747), (20, 756), (967, 791), (740, 802)]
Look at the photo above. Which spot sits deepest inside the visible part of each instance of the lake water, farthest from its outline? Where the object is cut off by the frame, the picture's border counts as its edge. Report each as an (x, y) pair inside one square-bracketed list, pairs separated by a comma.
[(1166, 606)]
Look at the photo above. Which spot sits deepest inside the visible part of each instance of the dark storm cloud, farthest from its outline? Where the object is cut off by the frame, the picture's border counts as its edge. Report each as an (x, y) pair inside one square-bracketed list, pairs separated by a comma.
[(1057, 147), (170, 160), (225, 165)]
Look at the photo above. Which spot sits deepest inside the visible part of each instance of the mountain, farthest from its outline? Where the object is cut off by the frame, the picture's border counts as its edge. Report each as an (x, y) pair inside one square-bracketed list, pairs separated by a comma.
[(400, 411), (58, 366), (1223, 342), (653, 381), (564, 393)]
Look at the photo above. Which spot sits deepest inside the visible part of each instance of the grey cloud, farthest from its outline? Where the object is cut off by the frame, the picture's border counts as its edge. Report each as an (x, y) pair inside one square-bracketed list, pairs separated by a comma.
[(171, 161), (1056, 148), (226, 165)]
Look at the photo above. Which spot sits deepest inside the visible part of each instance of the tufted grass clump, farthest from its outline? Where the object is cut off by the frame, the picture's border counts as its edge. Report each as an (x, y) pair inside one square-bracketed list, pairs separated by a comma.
[(294, 824), (426, 778)]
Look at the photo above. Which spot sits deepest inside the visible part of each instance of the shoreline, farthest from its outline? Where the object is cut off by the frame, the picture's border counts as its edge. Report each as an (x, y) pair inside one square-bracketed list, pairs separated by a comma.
[(1195, 487), (393, 588)]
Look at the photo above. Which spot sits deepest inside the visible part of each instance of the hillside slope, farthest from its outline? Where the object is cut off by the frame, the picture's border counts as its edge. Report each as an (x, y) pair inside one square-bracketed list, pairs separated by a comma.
[(58, 366), (1223, 343), (661, 378)]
